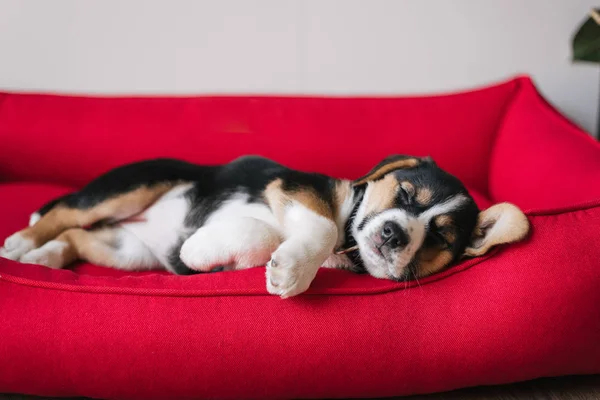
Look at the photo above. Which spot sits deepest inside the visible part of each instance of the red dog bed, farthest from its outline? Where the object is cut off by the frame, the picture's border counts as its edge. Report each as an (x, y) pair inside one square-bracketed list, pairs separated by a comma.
[(524, 311)]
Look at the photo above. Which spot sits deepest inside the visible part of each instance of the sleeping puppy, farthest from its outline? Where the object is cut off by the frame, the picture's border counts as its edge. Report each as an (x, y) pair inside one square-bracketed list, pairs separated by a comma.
[(405, 219)]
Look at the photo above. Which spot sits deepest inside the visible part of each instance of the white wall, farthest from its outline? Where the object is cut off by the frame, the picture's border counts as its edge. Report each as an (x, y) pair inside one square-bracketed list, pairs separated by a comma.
[(295, 46)]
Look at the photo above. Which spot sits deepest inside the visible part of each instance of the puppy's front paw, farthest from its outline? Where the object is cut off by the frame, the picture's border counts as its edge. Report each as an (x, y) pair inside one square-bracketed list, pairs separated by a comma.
[(16, 246), (289, 275), (339, 261)]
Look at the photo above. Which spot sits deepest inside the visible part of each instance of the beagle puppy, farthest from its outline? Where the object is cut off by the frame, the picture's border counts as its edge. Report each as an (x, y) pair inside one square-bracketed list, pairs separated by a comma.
[(405, 219)]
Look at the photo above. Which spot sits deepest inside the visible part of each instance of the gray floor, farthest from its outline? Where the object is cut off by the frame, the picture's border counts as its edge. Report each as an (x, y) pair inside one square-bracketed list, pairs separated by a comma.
[(565, 388)]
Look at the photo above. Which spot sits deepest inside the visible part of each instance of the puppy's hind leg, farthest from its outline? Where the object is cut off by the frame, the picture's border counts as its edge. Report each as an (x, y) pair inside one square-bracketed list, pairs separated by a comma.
[(111, 247), (80, 210), (234, 244), (36, 216)]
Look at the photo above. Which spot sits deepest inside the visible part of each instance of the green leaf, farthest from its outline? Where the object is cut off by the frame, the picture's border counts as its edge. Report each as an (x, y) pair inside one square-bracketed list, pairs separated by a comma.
[(586, 42)]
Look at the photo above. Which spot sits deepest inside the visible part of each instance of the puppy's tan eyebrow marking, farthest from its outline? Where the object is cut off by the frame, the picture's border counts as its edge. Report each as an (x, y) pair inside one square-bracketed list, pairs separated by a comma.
[(382, 194), (406, 163), (443, 220), (424, 196)]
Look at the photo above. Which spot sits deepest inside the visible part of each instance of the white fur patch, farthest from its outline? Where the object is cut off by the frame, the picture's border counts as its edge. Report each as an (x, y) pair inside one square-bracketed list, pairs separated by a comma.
[(161, 225), (239, 243), (34, 218), (310, 240), (451, 204), (238, 235), (49, 255), (132, 254), (343, 215), (338, 261), (16, 246)]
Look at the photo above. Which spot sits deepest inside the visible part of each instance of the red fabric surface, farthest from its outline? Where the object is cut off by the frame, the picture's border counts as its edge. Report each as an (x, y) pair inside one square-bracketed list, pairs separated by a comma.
[(524, 311), (72, 139), (540, 158)]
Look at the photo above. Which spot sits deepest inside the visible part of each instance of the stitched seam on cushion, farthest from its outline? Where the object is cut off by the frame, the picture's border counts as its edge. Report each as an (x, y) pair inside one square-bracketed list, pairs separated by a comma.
[(393, 287)]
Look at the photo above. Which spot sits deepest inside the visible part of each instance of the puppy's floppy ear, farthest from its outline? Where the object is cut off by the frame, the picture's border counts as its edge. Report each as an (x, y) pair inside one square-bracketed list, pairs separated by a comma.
[(386, 165), (501, 223)]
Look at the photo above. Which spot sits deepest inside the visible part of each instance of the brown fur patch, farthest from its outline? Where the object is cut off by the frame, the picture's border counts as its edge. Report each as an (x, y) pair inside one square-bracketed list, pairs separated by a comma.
[(312, 201), (123, 206), (381, 194), (424, 196), (450, 236), (343, 190), (92, 246), (279, 199), (433, 260), (443, 220), (276, 198), (384, 169)]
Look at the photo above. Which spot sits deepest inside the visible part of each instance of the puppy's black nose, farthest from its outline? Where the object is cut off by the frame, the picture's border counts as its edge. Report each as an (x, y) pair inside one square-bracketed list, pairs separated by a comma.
[(393, 235)]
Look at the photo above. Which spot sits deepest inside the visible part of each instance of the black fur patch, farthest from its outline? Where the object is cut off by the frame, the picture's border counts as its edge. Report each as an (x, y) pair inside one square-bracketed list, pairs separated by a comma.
[(133, 176), (52, 203)]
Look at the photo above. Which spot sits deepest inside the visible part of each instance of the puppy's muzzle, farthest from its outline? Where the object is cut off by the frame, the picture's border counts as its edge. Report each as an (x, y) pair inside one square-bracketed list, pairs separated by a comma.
[(391, 237)]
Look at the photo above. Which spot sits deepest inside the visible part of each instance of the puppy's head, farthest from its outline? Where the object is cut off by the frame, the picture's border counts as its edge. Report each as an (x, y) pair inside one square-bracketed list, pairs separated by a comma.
[(415, 219)]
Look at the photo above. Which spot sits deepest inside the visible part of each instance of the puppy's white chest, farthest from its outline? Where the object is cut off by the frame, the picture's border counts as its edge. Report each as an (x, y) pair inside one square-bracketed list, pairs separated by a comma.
[(162, 225)]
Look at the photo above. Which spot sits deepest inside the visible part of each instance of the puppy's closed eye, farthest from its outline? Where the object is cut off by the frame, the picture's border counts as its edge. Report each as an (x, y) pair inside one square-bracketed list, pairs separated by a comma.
[(406, 192)]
